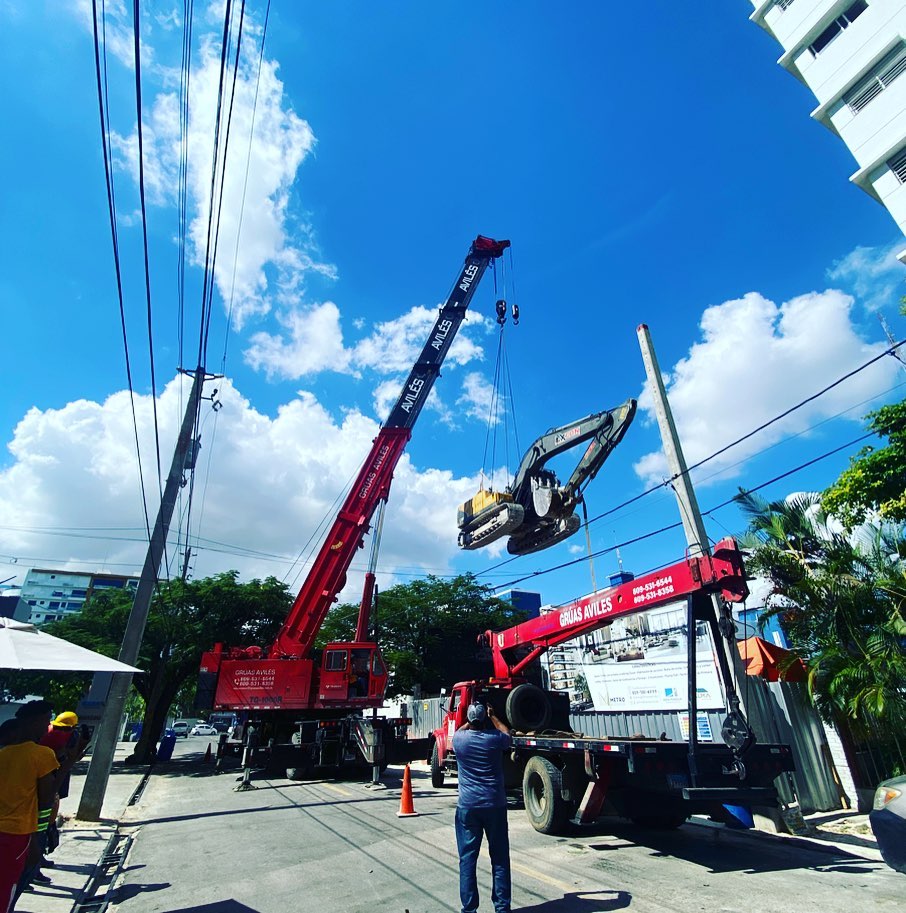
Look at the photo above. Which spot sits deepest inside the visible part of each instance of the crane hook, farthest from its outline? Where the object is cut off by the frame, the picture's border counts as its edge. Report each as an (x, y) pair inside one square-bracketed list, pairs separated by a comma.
[(515, 315), (501, 311)]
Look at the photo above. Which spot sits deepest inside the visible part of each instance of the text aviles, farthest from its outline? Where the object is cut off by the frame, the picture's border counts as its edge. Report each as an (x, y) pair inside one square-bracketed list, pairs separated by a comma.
[(468, 277), (593, 609)]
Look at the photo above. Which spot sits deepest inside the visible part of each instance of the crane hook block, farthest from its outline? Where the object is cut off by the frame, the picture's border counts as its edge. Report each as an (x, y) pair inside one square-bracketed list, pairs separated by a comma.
[(515, 315), (501, 312)]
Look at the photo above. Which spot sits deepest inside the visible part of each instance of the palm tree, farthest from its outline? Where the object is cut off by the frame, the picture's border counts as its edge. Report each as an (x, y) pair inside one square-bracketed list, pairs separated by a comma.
[(841, 599)]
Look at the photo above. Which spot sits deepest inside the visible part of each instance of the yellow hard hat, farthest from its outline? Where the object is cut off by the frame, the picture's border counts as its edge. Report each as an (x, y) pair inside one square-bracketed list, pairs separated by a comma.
[(67, 719)]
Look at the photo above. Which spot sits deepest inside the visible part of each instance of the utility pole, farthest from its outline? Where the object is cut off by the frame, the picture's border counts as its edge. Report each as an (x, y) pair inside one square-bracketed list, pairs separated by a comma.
[(108, 731), (735, 728)]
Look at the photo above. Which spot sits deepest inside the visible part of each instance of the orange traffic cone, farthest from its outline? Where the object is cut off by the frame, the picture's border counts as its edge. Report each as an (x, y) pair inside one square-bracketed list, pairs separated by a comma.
[(407, 809), (207, 754)]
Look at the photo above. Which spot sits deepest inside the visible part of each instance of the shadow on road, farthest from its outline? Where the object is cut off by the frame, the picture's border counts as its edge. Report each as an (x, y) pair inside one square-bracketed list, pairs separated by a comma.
[(219, 906), (583, 902), (727, 851)]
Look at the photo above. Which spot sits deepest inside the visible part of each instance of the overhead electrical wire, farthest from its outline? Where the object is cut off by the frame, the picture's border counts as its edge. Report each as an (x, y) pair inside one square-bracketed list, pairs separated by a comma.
[(670, 526), (103, 108)]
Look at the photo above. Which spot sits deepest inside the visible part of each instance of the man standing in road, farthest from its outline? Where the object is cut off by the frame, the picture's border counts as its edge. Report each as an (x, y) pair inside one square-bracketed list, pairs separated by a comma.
[(479, 748)]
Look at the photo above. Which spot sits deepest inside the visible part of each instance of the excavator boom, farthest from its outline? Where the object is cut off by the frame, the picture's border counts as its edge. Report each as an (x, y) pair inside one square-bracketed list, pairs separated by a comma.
[(537, 511)]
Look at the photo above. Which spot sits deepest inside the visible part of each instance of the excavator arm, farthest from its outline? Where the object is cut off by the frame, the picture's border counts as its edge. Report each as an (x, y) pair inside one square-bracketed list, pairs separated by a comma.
[(537, 511)]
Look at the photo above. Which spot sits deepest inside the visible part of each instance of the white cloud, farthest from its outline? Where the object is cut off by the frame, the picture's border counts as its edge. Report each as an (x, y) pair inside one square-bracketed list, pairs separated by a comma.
[(313, 341), (265, 265), (477, 397), (272, 481), (395, 344), (117, 31), (756, 360), (874, 274)]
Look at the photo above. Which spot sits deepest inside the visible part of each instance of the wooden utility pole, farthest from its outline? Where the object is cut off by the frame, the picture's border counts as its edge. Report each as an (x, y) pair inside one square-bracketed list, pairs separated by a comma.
[(108, 731)]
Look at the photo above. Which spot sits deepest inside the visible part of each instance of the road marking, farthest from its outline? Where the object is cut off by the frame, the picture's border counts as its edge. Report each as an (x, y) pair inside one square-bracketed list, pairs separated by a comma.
[(337, 789), (534, 873)]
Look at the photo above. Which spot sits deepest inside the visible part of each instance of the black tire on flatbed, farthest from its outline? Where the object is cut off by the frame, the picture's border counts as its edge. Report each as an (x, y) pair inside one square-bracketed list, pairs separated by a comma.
[(437, 769), (545, 806), (528, 708)]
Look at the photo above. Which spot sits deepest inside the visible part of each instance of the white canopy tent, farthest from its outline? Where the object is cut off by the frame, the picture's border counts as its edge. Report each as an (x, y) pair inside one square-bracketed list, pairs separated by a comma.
[(23, 646)]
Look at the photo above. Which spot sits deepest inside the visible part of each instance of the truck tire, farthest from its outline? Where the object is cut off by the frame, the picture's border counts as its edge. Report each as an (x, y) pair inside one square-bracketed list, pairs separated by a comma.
[(527, 708), (547, 810), (437, 769), (298, 773)]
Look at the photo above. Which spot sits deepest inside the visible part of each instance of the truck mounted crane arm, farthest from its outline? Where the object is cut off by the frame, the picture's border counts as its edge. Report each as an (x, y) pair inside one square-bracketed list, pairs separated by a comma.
[(372, 485), (722, 572)]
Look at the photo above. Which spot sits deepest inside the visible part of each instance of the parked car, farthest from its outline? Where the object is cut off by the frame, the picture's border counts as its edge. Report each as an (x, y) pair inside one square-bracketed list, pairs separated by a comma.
[(888, 821), (203, 729), (181, 728)]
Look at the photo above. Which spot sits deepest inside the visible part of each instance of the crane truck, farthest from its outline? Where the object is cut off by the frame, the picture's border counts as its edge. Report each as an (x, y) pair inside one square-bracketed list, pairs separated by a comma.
[(306, 706), (566, 776)]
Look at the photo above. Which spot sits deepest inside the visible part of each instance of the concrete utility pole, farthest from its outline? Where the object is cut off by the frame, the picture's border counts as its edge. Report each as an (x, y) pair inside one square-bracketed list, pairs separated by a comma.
[(693, 524), (108, 731)]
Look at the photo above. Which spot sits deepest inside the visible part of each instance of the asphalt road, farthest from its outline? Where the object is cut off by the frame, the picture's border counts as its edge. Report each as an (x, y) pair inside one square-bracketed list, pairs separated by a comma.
[(332, 846)]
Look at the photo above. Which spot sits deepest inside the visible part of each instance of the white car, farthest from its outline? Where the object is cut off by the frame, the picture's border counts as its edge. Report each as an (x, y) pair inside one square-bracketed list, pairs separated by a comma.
[(203, 729)]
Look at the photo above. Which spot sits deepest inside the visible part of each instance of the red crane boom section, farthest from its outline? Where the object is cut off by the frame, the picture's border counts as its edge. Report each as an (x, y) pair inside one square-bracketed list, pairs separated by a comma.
[(722, 572), (372, 485)]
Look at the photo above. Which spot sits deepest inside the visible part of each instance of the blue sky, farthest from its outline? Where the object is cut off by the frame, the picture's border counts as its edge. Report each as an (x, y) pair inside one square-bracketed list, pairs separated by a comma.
[(650, 166)]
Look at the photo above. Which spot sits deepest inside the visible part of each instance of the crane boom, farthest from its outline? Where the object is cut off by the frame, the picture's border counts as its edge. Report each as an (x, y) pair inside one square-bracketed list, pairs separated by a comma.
[(346, 535), (722, 572)]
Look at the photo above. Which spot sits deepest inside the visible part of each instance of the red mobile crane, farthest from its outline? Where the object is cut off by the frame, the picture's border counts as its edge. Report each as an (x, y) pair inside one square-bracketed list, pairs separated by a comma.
[(310, 706), (654, 782)]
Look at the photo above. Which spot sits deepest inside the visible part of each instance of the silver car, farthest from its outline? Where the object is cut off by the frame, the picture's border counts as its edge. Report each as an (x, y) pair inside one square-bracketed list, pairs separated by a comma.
[(888, 821)]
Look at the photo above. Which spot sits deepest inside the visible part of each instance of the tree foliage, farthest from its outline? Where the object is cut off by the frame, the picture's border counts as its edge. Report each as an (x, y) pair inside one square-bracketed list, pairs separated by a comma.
[(185, 619), (842, 601), (876, 478), (428, 631)]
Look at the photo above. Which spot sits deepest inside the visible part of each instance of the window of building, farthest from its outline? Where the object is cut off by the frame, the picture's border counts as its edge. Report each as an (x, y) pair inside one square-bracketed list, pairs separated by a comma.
[(57, 593), (881, 75), (843, 21), (783, 4), (79, 592), (55, 605), (897, 165), (32, 601)]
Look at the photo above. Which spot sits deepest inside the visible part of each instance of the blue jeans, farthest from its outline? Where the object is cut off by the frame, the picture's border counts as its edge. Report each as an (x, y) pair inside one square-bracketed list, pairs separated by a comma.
[(471, 823)]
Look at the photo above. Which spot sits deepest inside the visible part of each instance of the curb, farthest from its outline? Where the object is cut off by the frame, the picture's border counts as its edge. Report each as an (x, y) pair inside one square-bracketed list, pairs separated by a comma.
[(803, 842)]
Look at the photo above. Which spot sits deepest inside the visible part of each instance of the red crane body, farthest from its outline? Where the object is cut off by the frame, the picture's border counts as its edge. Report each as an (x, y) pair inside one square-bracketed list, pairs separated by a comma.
[(352, 675)]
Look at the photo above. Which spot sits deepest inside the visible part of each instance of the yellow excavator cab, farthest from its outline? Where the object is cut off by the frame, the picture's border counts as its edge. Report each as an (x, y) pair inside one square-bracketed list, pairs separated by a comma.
[(481, 502)]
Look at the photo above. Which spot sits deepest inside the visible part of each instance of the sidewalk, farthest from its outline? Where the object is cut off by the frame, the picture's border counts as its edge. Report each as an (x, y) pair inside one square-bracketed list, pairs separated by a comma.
[(82, 842)]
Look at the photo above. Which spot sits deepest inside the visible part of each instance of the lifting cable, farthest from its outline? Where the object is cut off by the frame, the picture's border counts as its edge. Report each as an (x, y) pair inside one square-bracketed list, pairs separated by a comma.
[(502, 402)]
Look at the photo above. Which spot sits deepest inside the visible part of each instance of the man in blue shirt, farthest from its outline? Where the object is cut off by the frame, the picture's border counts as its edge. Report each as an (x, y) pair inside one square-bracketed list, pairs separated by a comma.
[(481, 809)]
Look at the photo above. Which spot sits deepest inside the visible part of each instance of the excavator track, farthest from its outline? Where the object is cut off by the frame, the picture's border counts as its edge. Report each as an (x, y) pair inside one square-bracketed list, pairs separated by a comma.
[(495, 523)]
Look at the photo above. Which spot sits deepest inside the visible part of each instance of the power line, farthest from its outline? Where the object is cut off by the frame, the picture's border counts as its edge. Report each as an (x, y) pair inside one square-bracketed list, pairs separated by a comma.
[(663, 529), (103, 107)]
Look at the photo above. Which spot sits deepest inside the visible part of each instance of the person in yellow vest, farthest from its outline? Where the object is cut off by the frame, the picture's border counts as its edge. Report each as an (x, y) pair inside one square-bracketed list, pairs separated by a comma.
[(28, 786)]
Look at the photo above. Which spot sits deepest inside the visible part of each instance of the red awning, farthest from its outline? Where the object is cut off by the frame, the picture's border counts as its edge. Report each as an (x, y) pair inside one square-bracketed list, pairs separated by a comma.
[(767, 660)]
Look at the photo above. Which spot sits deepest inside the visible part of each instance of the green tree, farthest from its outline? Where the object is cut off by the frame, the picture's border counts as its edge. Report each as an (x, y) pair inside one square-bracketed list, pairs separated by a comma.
[(876, 478), (428, 631), (185, 619), (841, 599)]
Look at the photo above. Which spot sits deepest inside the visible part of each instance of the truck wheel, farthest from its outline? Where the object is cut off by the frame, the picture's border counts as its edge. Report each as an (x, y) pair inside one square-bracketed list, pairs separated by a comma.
[(298, 773), (541, 791), (527, 708), (437, 769)]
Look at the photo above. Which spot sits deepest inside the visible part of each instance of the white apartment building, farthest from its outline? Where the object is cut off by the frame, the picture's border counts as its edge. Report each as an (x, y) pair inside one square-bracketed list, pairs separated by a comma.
[(851, 55), (49, 595)]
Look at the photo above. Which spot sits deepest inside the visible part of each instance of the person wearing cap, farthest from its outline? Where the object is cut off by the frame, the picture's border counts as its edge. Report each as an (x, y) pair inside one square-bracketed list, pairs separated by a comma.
[(481, 808), (28, 785)]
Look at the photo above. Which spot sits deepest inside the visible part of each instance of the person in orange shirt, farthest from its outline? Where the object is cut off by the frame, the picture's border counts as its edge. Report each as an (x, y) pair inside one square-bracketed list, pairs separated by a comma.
[(28, 785)]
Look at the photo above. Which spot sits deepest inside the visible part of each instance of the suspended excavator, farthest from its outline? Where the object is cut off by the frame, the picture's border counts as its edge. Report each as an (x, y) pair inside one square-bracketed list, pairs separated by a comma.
[(536, 511)]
